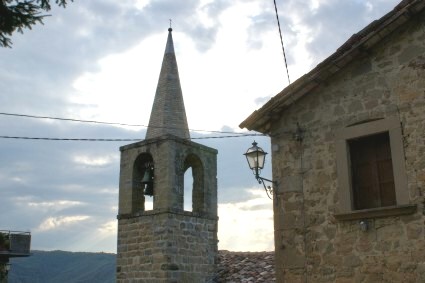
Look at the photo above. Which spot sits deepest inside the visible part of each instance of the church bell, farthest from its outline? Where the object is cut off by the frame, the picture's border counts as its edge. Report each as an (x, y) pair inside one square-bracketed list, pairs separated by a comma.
[(147, 181)]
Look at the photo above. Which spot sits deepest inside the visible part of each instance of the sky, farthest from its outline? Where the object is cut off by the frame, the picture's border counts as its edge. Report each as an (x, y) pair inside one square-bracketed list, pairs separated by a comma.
[(100, 60)]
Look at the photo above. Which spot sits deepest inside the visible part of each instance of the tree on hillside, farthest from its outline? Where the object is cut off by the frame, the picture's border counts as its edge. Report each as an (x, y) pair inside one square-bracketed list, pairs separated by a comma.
[(20, 14)]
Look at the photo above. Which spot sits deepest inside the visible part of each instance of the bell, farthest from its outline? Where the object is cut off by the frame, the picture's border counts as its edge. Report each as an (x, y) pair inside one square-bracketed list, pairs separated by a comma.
[(147, 181), (148, 190), (147, 177)]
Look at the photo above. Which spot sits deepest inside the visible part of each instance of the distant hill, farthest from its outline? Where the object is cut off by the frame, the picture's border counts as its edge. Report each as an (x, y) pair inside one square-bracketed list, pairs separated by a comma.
[(69, 267), (63, 267)]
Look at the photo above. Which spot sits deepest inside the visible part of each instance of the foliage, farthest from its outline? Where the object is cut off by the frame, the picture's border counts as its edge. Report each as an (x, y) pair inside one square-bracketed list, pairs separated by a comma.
[(20, 14), (4, 241)]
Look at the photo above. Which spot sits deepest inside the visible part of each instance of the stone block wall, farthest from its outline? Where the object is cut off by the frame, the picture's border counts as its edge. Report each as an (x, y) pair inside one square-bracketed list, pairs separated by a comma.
[(312, 245), (167, 244), (166, 247), (170, 155)]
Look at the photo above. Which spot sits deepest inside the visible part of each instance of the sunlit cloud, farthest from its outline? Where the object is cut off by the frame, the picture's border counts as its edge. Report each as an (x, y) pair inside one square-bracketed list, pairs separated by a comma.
[(108, 191), (140, 4), (95, 161), (52, 223), (98, 90), (248, 225), (59, 204), (148, 203), (108, 228)]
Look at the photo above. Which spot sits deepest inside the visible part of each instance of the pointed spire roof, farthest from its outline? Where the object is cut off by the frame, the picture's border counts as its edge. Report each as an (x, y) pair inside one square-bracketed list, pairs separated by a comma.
[(168, 114)]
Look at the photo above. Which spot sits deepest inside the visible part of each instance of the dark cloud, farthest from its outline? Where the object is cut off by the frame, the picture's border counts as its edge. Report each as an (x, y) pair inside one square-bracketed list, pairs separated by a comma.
[(330, 24), (38, 71), (185, 18), (55, 182), (42, 179)]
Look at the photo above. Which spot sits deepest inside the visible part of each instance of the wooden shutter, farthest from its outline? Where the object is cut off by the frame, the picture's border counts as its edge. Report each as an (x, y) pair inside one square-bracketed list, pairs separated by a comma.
[(372, 172)]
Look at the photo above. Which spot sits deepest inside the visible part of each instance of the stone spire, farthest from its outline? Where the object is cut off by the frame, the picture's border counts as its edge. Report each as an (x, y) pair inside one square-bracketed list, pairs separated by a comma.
[(168, 114)]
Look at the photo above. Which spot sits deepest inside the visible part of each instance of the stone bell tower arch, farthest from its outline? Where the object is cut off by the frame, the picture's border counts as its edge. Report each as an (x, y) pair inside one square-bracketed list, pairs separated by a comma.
[(167, 243)]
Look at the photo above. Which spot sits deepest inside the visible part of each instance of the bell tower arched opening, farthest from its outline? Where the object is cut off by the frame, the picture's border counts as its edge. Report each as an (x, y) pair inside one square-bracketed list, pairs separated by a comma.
[(143, 178), (188, 189), (194, 164)]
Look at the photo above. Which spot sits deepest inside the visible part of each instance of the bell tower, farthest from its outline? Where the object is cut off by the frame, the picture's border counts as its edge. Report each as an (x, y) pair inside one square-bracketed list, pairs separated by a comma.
[(167, 243)]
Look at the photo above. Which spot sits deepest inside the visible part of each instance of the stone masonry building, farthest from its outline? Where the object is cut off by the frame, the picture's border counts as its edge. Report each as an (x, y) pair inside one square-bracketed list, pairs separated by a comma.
[(348, 154), (167, 243)]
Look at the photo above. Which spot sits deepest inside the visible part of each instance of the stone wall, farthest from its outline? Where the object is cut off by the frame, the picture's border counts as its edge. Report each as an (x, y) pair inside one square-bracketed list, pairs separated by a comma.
[(167, 244), (311, 244), (166, 247), (170, 155)]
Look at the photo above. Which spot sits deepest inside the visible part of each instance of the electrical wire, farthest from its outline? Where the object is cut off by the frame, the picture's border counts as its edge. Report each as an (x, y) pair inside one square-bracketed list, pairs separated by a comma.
[(233, 134), (119, 140), (108, 123), (281, 41)]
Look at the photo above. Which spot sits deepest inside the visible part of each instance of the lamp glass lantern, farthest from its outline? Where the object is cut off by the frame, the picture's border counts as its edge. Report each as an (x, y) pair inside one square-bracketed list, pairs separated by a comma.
[(256, 157)]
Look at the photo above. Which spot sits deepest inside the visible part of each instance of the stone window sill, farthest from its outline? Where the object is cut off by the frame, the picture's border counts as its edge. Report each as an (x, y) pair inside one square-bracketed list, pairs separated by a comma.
[(376, 212)]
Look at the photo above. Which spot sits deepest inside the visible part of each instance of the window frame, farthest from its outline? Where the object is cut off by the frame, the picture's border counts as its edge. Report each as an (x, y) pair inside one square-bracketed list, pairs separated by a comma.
[(392, 125), (372, 185)]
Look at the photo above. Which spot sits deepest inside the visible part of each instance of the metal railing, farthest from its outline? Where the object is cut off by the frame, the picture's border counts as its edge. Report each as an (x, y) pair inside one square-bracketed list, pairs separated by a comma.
[(14, 243)]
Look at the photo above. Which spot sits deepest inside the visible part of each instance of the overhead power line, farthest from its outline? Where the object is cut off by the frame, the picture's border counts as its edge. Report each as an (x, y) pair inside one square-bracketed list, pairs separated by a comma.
[(108, 123), (229, 134), (281, 41), (119, 140)]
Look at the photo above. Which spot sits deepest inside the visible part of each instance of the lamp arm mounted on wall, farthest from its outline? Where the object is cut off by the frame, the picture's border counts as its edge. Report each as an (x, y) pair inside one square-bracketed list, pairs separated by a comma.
[(269, 189)]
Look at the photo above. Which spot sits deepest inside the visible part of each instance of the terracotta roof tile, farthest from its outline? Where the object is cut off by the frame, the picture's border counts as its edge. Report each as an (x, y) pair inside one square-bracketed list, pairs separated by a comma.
[(245, 267)]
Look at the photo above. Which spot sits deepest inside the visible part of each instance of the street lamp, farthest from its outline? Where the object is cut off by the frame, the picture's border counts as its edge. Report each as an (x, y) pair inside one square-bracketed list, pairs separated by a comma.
[(256, 157)]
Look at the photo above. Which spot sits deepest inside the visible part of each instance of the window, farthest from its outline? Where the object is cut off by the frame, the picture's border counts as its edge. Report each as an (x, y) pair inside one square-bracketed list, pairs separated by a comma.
[(372, 178), (370, 166)]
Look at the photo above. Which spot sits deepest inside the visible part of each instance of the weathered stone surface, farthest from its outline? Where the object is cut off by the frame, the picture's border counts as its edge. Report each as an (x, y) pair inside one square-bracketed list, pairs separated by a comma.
[(311, 245), (168, 114), (167, 243)]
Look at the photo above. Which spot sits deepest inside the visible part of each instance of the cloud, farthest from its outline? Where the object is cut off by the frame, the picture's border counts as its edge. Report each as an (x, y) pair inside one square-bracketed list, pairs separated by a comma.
[(64, 190), (60, 204), (321, 26), (59, 222), (108, 228), (100, 60), (253, 217), (95, 161)]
